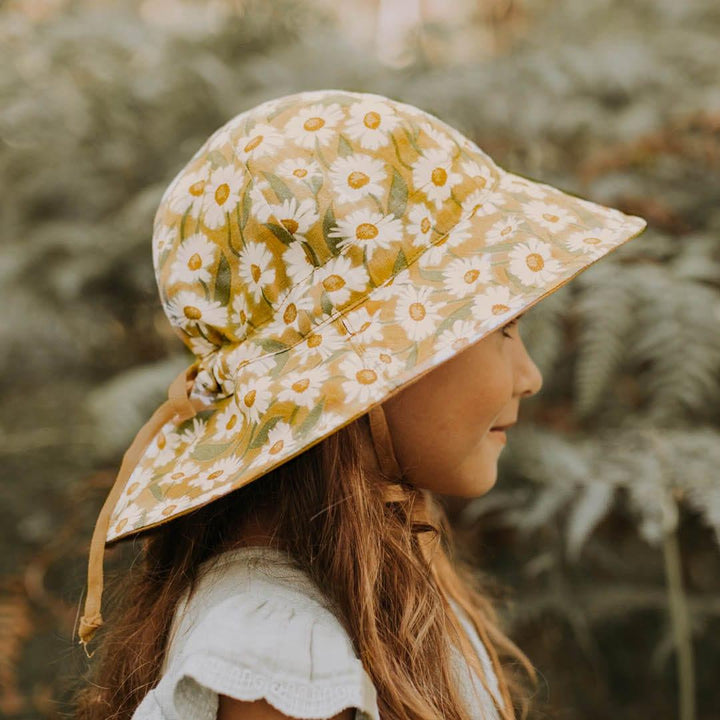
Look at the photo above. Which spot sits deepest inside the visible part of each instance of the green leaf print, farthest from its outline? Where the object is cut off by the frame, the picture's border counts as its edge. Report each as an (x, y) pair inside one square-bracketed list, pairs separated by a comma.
[(325, 303), (223, 281), (398, 196), (311, 419), (245, 206), (279, 187), (462, 313), (328, 225), (344, 147), (261, 437), (400, 263), (206, 453), (270, 345), (280, 232)]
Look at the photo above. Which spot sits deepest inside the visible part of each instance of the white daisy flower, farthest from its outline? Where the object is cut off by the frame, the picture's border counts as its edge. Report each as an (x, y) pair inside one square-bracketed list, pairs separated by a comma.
[(327, 422), (368, 229), (367, 327), (163, 446), (219, 473), (222, 194), (137, 482), (296, 218), (228, 422), (532, 262), (188, 310), (253, 397), (240, 314), (280, 443), (262, 140), (252, 358), (323, 344), (314, 123), (381, 358), (297, 265), (129, 517), (433, 175), (187, 192), (420, 224), (298, 169), (550, 216), (303, 386), (416, 313), (370, 123), (290, 311), (456, 337), (502, 230), (521, 186), (463, 275), (495, 303), (339, 278), (193, 259), (482, 176), (356, 176), (254, 268), (482, 202), (591, 242), (436, 253), (259, 205), (184, 469), (162, 509), (201, 347), (365, 379), (192, 435), (444, 141), (163, 239)]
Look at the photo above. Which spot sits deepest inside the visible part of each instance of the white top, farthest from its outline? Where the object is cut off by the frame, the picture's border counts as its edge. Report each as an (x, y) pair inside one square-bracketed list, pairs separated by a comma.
[(256, 627)]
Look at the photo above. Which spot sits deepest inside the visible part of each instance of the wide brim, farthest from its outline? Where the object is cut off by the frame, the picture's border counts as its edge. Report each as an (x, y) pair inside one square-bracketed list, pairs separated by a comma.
[(492, 266)]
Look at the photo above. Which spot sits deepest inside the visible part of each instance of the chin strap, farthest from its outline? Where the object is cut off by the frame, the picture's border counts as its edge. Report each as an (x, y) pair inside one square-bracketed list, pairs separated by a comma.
[(397, 490), (178, 404)]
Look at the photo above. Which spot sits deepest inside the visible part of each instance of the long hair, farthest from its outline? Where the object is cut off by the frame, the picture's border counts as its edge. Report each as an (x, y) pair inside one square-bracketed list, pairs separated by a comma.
[(363, 552)]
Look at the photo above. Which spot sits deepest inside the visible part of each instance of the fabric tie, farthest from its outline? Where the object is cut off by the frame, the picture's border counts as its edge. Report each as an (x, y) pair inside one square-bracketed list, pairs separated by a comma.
[(178, 404)]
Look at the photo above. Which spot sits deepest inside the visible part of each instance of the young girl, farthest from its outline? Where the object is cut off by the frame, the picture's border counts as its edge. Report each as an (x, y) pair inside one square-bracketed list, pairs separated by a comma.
[(348, 272)]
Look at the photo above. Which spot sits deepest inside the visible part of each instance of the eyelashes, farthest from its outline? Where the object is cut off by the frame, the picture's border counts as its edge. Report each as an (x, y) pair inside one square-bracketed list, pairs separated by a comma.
[(512, 323)]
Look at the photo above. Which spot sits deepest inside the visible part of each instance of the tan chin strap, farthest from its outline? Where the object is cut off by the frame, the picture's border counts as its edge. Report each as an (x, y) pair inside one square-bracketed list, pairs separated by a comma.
[(397, 490), (178, 403)]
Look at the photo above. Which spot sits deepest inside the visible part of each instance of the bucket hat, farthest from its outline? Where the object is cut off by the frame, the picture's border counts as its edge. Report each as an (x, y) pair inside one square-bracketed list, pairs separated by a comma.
[(319, 252)]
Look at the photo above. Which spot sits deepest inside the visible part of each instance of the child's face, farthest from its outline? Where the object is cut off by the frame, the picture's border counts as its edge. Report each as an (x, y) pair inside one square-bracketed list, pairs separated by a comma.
[(440, 425)]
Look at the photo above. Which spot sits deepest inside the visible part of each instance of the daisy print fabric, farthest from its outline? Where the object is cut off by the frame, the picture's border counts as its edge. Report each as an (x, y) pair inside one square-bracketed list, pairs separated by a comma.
[(318, 252)]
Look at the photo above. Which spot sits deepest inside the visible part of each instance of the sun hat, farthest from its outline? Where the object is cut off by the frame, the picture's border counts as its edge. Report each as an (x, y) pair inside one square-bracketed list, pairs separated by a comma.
[(319, 252)]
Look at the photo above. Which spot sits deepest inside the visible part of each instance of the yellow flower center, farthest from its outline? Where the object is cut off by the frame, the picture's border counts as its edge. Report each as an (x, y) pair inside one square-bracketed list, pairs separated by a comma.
[(290, 224), (499, 309), (458, 343), (371, 120), (417, 311), (192, 313), (290, 314), (195, 262), (314, 340), (314, 123), (197, 188), (215, 475), (253, 143), (425, 225), (333, 283), (439, 176), (535, 262), (249, 398), (384, 357), (366, 376), (169, 510), (592, 240), (301, 385), (222, 193), (299, 172), (277, 447), (471, 276), (230, 424), (130, 489), (550, 218), (506, 230), (357, 179), (366, 231), (255, 272)]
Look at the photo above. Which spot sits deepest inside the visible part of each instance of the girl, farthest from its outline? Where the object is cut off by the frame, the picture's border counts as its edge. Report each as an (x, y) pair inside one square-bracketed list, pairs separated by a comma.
[(348, 272)]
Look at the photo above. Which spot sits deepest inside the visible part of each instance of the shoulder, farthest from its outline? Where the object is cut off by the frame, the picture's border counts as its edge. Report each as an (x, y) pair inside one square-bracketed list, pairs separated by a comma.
[(259, 631)]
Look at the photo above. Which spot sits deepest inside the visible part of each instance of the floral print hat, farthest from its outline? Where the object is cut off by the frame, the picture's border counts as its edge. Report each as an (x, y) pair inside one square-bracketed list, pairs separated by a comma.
[(316, 254)]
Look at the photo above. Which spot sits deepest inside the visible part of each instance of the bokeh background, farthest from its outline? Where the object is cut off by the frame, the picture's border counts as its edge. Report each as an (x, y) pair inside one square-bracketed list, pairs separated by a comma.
[(603, 530)]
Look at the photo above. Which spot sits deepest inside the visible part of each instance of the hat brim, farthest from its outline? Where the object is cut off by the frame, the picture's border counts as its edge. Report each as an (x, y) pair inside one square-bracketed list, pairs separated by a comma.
[(496, 264)]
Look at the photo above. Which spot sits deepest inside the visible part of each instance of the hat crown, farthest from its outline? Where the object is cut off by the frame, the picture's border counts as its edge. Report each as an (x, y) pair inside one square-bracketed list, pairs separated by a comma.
[(298, 208)]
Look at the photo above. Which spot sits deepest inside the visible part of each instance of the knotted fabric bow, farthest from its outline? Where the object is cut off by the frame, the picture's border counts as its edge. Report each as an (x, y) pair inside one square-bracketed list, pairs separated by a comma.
[(178, 404)]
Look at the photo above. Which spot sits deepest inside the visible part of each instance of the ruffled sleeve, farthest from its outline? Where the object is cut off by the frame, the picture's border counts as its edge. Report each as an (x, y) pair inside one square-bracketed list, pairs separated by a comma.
[(286, 648)]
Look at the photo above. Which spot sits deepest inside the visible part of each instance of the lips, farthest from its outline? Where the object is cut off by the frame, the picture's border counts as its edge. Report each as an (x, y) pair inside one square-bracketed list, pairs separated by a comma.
[(500, 428)]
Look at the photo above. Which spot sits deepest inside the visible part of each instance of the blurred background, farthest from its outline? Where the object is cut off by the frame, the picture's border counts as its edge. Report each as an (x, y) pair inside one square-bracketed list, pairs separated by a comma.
[(603, 530)]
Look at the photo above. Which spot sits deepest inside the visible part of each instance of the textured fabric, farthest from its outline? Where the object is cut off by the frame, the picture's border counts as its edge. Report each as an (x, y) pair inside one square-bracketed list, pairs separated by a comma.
[(258, 627), (320, 251)]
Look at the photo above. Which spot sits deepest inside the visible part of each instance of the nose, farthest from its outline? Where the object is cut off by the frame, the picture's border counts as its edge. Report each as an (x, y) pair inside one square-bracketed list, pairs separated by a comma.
[(529, 378)]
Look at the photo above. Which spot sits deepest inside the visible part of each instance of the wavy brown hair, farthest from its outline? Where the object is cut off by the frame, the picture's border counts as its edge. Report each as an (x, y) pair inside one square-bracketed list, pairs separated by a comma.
[(364, 553)]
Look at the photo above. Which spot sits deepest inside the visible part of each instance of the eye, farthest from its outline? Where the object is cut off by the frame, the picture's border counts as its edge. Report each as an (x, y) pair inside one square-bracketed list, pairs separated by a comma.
[(512, 323)]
